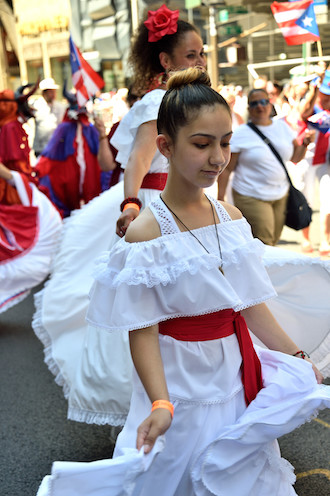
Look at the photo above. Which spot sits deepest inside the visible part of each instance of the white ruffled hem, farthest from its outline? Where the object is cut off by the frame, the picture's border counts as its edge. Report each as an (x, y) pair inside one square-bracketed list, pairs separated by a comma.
[(14, 300), (99, 418), (46, 339)]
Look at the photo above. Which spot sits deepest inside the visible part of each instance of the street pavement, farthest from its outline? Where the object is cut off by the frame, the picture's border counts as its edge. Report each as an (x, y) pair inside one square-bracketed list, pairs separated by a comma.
[(35, 431)]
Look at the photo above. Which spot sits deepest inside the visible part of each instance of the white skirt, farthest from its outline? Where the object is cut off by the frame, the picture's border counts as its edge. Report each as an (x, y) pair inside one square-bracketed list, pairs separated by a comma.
[(59, 320), (212, 448)]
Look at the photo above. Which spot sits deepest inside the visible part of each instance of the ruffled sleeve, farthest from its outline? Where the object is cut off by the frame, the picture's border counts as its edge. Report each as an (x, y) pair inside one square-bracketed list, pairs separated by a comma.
[(144, 110), (140, 284)]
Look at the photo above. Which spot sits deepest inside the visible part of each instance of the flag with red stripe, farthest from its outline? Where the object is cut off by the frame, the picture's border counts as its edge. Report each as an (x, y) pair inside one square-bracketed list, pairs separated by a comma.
[(296, 20), (86, 81)]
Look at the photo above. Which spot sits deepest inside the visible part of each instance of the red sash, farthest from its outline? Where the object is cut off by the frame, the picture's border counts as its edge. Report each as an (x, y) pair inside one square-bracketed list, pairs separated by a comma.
[(219, 325), (154, 180)]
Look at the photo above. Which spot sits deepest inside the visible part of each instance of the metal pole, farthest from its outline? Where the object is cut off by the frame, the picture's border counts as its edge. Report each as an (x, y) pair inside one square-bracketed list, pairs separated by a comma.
[(135, 14), (213, 70)]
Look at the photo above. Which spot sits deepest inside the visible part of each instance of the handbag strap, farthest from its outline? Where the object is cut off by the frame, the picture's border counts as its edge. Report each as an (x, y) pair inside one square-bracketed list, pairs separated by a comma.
[(271, 146)]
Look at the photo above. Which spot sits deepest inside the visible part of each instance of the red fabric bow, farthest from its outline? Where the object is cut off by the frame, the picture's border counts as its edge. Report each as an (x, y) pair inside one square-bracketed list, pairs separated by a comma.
[(161, 22)]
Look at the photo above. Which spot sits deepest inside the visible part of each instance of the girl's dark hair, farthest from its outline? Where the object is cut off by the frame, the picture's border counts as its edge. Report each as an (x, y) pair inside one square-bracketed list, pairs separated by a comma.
[(187, 92), (144, 55), (252, 92)]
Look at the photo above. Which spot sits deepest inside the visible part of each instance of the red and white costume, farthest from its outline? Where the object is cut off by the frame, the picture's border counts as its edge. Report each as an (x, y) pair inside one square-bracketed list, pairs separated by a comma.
[(29, 234)]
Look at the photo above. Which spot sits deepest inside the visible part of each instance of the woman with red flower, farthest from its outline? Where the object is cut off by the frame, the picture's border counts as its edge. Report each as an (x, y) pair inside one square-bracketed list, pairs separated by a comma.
[(162, 43)]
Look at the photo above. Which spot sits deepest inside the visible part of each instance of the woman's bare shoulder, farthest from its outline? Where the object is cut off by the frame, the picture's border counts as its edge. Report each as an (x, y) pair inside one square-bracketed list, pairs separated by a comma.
[(233, 211), (144, 228)]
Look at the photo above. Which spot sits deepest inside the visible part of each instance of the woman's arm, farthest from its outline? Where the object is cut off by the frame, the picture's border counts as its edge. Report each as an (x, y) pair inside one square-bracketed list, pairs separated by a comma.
[(263, 324), (224, 176), (104, 156), (137, 167), (300, 150), (148, 363), (5, 173)]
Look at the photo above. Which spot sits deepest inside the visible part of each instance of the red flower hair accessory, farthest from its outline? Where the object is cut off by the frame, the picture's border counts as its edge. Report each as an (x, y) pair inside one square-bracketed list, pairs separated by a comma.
[(161, 22)]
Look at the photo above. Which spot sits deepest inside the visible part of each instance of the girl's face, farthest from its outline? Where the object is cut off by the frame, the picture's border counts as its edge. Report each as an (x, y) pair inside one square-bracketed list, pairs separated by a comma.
[(188, 53), (201, 150)]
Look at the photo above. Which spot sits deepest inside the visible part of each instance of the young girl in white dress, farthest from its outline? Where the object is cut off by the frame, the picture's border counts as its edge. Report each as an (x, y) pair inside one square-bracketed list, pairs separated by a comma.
[(187, 280)]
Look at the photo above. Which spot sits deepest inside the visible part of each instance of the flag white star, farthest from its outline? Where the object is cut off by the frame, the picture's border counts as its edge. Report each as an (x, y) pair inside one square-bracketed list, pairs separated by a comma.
[(307, 21)]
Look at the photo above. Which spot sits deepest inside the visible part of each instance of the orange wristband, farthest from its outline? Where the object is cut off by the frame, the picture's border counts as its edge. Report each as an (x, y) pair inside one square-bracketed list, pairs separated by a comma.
[(163, 404), (131, 205)]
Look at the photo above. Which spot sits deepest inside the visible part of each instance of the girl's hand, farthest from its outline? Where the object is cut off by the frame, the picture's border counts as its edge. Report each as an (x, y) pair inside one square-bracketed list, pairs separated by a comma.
[(318, 375), (99, 124), (153, 426), (125, 219)]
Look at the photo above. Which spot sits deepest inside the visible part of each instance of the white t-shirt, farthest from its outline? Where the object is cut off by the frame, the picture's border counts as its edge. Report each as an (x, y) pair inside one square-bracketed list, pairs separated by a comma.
[(258, 172)]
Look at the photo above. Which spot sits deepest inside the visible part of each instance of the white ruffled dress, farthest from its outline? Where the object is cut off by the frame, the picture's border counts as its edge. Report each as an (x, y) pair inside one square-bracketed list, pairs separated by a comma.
[(215, 445)]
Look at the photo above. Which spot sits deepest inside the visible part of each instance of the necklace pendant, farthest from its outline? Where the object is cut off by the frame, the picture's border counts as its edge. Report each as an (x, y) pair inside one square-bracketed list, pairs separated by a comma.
[(221, 270)]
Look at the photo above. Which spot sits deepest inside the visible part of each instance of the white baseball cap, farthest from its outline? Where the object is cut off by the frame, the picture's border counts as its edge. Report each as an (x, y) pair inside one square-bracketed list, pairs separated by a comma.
[(48, 84)]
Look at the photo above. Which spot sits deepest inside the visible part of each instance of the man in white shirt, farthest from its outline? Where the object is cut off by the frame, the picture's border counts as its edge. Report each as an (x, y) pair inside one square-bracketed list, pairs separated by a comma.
[(49, 113)]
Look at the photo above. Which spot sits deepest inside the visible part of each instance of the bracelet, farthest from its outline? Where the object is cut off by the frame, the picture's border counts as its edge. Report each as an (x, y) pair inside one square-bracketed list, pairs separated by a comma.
[(131, 205), (163, 404), (130, 199), (302, 354), (103, 137)]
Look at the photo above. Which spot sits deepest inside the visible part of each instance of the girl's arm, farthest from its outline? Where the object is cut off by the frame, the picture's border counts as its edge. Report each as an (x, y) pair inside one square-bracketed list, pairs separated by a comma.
[(148, 363), (104, 156), (137, 167), (263, 324)]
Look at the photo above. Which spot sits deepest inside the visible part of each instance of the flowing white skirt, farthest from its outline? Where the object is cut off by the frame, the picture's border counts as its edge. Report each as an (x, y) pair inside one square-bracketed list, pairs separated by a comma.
[(19, 275), (212, 447), (59, 320)]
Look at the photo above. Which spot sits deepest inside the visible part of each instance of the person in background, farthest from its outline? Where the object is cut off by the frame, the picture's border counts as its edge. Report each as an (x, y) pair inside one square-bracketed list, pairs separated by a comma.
[(317, 101), (29, 224), (68, 169), (260, 185), (49, 113)]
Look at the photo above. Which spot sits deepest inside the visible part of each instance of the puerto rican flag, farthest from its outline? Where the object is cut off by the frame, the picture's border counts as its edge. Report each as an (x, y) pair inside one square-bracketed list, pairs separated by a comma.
[(296, 20), (86, 81), (320, 121)]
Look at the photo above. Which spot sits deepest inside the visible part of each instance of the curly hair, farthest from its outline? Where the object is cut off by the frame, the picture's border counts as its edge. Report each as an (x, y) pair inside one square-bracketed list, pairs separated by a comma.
[(144, 55), (187, 92)]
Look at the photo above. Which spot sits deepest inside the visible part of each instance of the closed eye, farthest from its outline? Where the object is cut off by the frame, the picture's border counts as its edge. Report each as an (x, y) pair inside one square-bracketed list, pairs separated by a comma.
[(201, 145)]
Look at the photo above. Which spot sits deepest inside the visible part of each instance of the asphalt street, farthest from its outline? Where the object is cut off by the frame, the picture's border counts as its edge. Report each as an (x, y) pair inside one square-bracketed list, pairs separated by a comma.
[(35, 431)]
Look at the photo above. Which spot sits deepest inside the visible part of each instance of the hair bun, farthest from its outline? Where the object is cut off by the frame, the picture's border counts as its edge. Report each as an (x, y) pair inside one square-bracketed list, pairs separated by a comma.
[(193, 75)]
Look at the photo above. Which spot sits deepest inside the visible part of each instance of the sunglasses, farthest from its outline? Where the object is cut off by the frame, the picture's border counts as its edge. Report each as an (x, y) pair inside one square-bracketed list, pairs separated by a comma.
[(264, 102)]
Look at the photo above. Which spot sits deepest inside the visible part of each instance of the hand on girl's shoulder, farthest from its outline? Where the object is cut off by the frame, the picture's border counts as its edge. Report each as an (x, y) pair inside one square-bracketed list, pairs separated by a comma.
[(233, 211), (143, 228)]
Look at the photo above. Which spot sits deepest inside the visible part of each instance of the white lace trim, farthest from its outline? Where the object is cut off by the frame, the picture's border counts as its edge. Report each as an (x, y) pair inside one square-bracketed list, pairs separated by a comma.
[(41, 333), (163, 318), (166, 220), (153, 276), (280, 464), (99, 418), (185, 259)]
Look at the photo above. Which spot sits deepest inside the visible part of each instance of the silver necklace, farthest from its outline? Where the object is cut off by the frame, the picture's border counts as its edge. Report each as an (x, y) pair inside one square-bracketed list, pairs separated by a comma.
[(199, 241)]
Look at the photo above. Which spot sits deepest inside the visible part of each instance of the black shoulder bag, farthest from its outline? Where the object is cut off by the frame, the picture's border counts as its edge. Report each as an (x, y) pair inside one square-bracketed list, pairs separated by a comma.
[(298, 212)]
